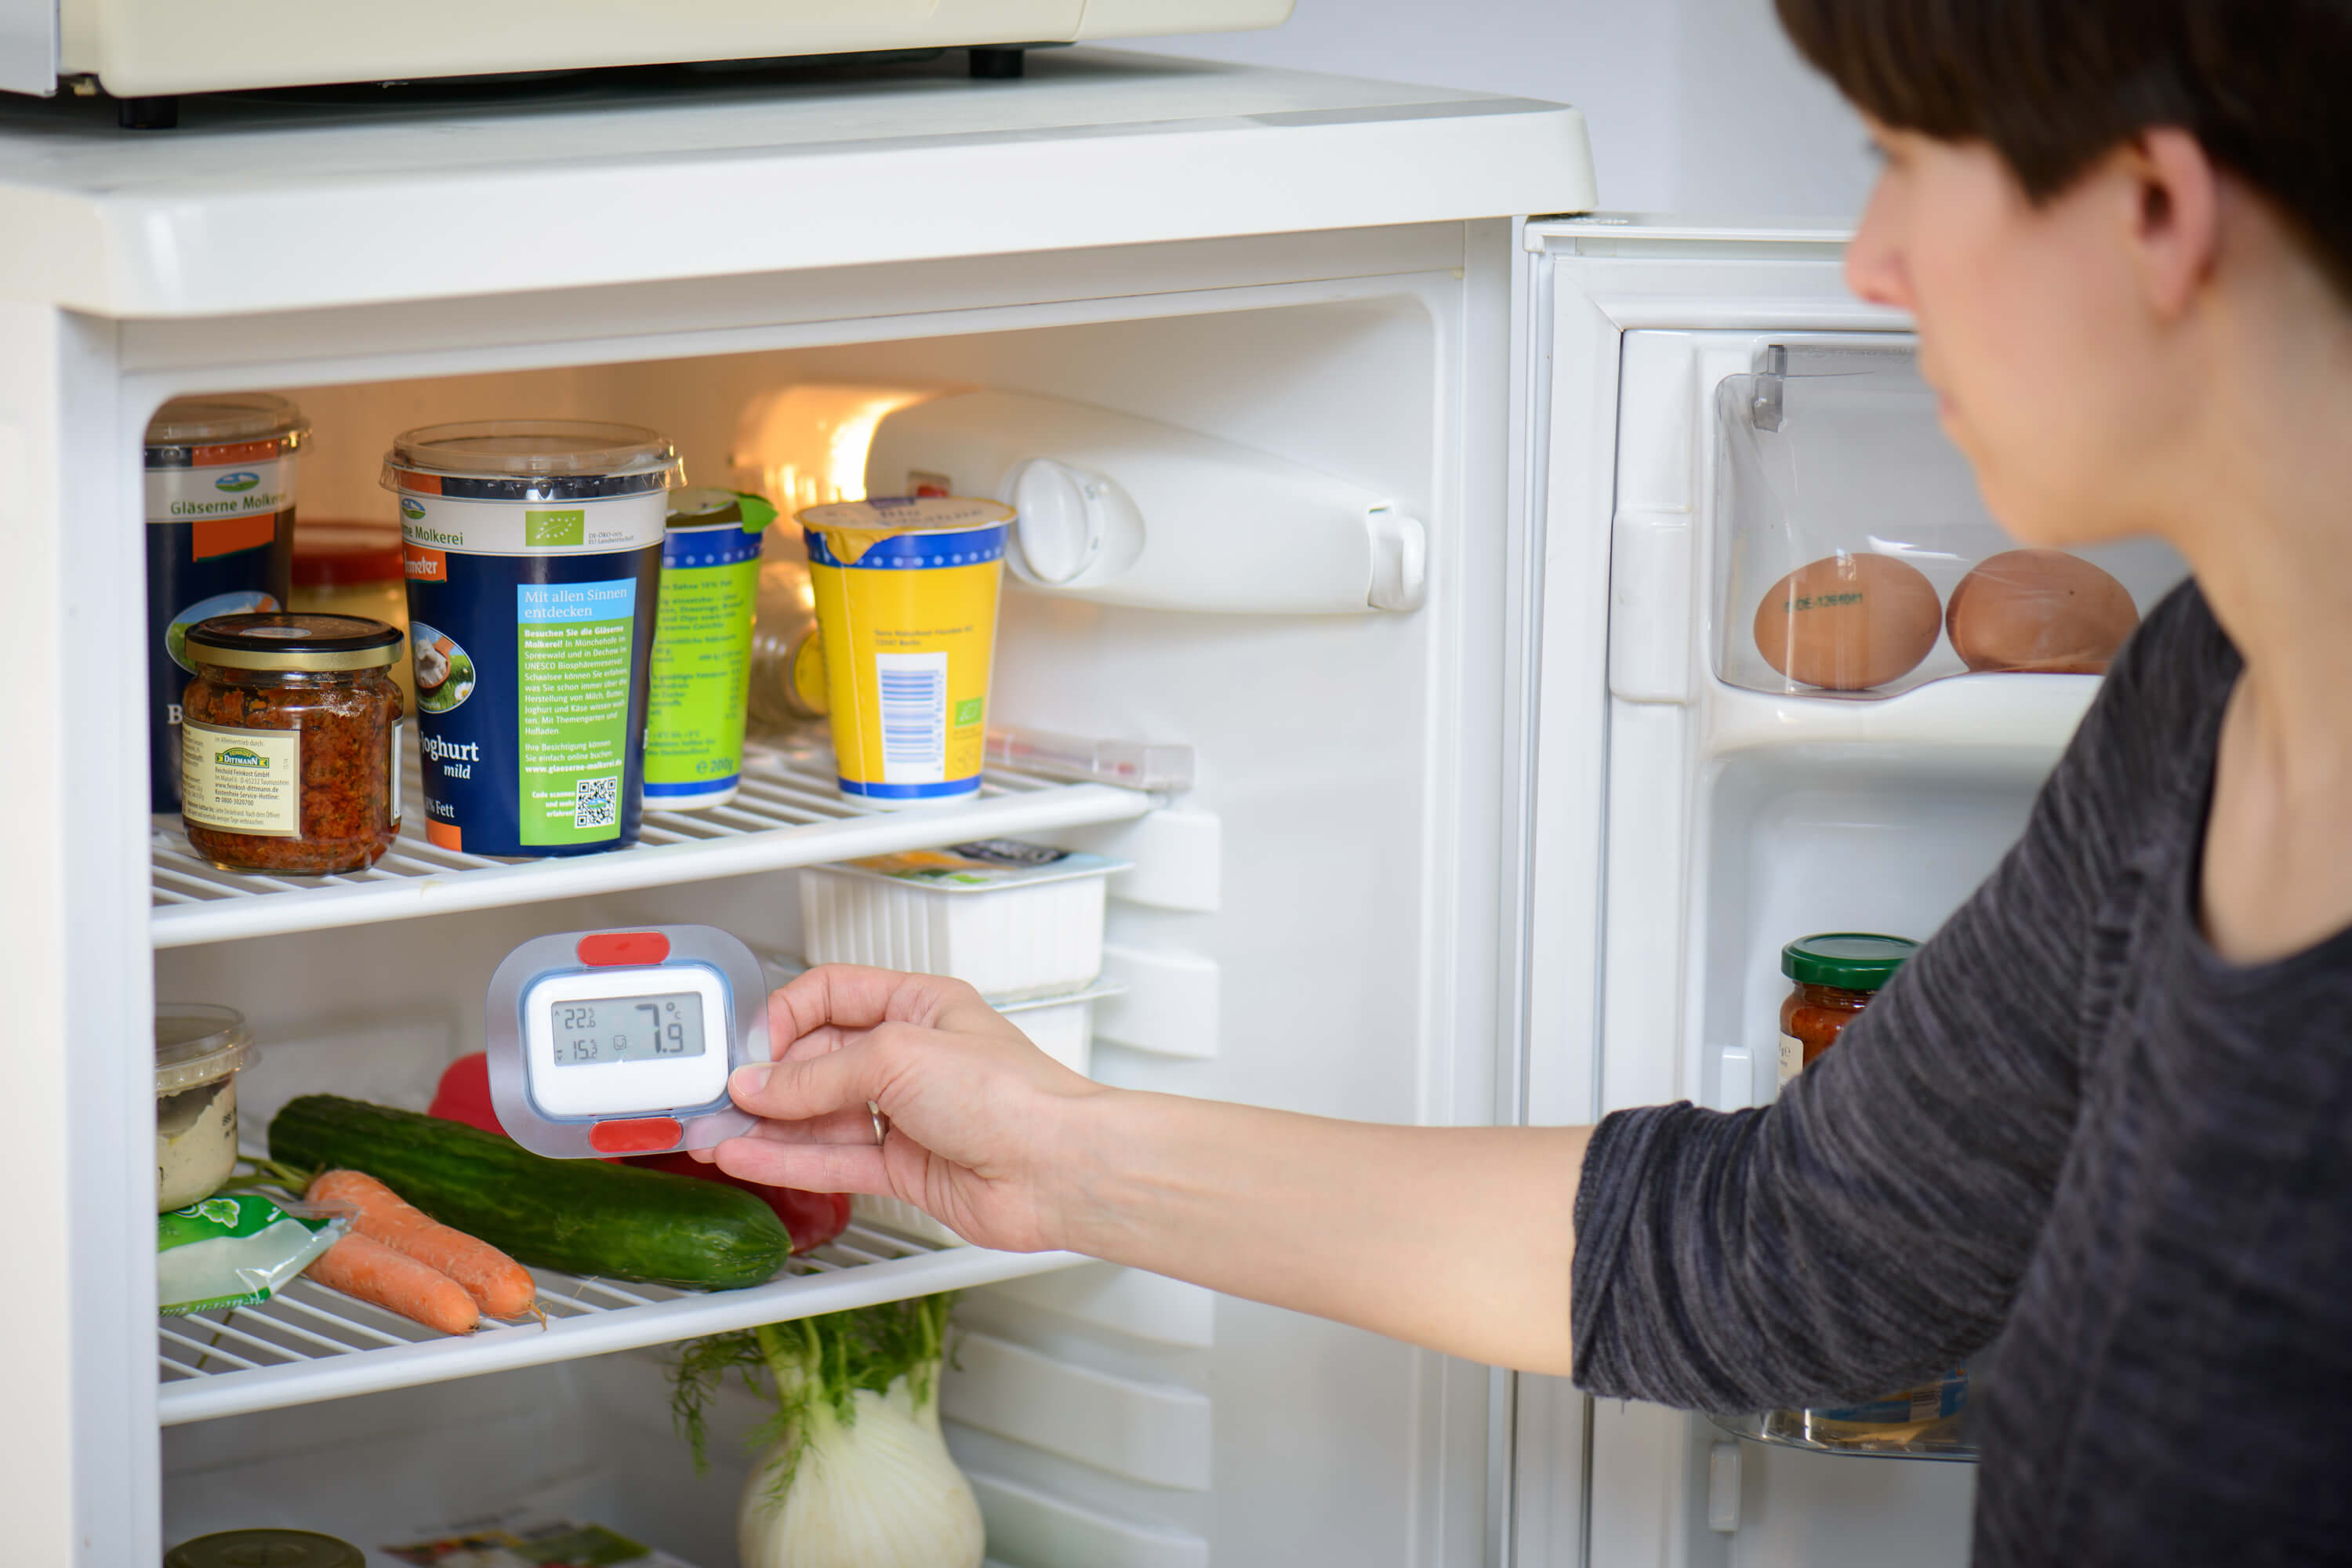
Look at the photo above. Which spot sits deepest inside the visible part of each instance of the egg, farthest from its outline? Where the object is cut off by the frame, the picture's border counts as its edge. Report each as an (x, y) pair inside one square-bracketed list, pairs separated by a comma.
[(1849, 622), (2040, 610)]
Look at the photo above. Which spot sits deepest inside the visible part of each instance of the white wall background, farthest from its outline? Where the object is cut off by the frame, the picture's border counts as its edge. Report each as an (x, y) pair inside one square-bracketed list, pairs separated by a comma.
[(1695, 106)]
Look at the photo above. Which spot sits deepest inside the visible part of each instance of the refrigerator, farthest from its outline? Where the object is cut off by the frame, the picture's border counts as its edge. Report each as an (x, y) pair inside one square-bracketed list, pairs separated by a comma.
[(1490, 814)]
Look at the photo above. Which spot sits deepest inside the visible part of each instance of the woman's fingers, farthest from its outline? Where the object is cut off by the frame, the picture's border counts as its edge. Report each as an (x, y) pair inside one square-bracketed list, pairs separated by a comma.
[(839, 1127), (799, 1088), (849, 997), (810, 1167)]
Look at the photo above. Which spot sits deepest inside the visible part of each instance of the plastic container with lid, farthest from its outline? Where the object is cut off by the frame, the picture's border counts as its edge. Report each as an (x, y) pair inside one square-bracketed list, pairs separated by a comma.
[(354, 569), (199, 1048), (702, 647), (265, 1549), (220, 540), (787, 679), (1015, 920), (1837, 975), (533, 550), (290, 754)]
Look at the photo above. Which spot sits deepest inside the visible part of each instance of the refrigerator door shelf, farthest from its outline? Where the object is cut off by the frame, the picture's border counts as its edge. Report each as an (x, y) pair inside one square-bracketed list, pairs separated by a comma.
[(787, 814), (310, 1344)]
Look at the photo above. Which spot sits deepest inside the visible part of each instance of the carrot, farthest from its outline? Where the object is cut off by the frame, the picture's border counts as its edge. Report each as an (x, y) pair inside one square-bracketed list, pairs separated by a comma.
[(498, 1285), (363, 1267)]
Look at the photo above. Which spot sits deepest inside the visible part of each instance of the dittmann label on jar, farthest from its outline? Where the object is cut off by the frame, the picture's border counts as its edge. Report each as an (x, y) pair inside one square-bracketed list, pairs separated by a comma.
[(530, 628), (242, 781)]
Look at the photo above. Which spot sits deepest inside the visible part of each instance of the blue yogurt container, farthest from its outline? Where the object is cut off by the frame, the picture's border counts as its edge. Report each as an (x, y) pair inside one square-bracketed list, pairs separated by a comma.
[(533, 550)]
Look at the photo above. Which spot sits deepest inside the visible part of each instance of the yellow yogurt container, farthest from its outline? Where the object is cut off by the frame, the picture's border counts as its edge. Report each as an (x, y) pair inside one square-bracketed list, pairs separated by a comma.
[(905, 605)]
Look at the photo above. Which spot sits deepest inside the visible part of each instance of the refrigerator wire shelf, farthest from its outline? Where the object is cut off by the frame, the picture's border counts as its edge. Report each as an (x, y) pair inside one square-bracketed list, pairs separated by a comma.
[(309, 1344), (787, 813)]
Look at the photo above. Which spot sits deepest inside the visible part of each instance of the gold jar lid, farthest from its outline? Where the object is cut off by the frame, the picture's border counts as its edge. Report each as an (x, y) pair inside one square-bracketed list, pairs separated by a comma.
[(307, 643)]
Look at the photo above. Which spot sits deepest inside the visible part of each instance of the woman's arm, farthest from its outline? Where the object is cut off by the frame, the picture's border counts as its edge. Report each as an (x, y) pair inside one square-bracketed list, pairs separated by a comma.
[(1457, 1238)]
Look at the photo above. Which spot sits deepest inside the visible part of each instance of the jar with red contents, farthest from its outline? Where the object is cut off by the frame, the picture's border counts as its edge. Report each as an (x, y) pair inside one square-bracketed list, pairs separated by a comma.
[(289, 752), (1837, 975)]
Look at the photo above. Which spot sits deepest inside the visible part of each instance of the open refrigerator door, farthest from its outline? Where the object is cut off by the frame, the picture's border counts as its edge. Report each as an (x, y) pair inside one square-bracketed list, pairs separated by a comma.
[(1292, 747), (1833, 691)]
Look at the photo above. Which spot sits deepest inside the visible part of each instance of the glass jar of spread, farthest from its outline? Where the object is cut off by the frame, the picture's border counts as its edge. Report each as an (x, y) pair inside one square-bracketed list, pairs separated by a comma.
[(289, 742), (1837, 975)]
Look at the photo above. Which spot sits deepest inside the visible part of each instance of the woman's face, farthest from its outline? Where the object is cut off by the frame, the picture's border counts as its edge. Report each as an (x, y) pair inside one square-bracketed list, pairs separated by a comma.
[(2052, 376)]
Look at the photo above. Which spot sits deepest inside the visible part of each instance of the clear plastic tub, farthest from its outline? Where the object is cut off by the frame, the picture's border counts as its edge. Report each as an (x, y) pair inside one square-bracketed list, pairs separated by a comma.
[(199, 1048), (1854, 557), (1015, 920)]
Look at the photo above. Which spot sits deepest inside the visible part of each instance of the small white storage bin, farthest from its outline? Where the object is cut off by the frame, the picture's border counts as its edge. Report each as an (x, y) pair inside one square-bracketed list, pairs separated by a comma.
[(1062, 1027), (1015, 920)]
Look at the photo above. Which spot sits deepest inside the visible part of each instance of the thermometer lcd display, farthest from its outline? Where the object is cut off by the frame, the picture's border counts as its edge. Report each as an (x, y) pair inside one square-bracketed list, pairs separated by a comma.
[(628, 1029)]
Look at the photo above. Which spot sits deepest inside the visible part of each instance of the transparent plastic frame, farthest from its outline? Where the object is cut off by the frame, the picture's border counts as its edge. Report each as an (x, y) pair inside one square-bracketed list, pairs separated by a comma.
[(1846, 525), (631, 952)]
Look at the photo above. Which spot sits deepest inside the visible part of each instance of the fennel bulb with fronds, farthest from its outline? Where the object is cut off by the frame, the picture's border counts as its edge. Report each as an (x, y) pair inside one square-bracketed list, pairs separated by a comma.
[(854, 1471)]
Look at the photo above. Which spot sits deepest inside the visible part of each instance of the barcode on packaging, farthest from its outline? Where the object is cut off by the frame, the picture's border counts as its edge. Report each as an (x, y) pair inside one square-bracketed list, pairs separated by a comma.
[(914, 688)]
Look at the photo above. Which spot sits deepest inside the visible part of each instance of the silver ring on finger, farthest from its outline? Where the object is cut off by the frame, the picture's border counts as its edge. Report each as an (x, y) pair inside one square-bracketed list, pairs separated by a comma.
[(881, 1124)]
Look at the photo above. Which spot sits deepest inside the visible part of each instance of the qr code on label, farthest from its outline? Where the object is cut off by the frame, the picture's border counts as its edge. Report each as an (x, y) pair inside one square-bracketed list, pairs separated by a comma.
[(591, 802)]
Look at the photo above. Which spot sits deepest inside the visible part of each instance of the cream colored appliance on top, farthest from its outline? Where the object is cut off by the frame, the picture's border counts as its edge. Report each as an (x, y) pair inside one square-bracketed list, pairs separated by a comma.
[(147, 48)]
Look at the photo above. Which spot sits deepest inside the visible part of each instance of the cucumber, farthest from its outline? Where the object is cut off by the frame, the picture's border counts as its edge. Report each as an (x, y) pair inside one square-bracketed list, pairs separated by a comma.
[(582, 1217)]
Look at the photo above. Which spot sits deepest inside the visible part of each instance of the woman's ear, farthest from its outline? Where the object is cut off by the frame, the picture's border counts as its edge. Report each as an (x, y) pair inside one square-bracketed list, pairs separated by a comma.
[(2175, 217)]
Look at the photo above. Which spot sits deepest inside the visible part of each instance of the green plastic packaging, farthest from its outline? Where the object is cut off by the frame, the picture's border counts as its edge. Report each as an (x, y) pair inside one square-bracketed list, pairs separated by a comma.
[(237, 1251)]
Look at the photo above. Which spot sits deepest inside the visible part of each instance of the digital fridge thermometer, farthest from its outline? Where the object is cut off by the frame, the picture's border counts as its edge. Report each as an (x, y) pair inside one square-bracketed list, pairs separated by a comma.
[(620, 1042)]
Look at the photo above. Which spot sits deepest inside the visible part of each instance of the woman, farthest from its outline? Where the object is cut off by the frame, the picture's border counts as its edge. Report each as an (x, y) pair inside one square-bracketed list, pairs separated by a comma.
[(2106, 1116)]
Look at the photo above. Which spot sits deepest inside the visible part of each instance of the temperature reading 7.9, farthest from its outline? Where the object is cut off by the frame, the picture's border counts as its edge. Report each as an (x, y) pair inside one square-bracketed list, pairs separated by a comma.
[(628, 1029)]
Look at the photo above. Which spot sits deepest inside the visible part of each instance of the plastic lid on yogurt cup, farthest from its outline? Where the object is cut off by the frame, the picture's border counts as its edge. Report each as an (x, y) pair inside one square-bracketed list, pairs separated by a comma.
[(197, 1043), (906, 514), (531, 459), (222, 419)]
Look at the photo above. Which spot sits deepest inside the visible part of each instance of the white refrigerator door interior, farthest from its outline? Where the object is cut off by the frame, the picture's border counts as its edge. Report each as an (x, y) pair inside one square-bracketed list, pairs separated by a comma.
[(1729, 810)]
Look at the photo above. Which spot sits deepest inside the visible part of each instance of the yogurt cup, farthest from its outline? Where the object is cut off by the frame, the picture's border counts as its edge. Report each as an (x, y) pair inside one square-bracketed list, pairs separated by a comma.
[(533, 548), (199, 1048), (702, 647), (906, 603), (220, 541)]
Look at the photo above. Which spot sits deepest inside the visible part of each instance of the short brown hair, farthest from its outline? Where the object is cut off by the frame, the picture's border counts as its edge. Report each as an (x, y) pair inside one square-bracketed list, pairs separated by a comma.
[(2265, 86)]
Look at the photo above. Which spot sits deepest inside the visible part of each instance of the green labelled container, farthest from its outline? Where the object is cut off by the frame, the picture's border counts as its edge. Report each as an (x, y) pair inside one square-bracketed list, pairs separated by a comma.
[(702, 647)]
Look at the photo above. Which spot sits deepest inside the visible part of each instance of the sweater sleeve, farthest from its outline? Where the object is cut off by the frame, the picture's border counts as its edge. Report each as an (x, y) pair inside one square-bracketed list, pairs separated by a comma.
[(1871, 1224)]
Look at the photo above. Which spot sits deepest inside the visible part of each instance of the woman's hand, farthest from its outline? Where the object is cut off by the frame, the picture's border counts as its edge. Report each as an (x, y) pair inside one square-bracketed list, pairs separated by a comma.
[(1454, 1237), (980, 1121)]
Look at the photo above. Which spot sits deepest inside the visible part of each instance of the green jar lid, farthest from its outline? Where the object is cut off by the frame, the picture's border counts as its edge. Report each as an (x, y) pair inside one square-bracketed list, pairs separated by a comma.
[(1849, 959), (265, 1549)]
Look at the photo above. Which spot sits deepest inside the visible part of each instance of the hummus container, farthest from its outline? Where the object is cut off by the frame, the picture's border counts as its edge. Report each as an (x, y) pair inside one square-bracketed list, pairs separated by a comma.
[(1016, 921), (533, 554), (198, 1049)]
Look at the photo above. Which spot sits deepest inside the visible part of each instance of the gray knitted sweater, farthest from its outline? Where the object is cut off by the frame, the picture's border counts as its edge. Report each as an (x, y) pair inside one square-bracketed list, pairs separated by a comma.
[(2068, 1126)]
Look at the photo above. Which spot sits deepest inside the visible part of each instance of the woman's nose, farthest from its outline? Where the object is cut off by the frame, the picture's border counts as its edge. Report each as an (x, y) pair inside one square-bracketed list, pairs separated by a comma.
[(1874, 261)]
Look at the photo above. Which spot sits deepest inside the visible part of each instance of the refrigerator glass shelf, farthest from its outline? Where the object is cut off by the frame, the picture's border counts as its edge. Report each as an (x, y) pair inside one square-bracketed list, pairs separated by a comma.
[(1763, 1428), (309, 1344), (786, 813)]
